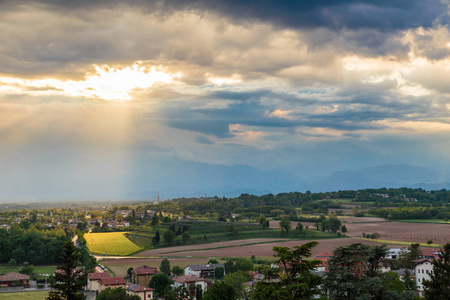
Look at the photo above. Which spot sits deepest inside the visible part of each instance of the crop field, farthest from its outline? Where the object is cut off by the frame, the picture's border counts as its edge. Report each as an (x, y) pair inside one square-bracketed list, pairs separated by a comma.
[(110, 243), (402, 232), (246, 248)]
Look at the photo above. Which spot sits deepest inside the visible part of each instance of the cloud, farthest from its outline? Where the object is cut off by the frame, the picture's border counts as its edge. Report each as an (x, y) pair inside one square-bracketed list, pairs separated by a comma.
[(203, 140)]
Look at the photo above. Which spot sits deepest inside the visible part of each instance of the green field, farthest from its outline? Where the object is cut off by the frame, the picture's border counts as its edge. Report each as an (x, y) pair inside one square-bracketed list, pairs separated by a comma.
[(24, 296), (37, 270), (434, 221), (110, 243)]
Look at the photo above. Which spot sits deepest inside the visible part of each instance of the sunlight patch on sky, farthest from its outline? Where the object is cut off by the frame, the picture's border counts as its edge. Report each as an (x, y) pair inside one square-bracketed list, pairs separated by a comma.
[(107, 83)]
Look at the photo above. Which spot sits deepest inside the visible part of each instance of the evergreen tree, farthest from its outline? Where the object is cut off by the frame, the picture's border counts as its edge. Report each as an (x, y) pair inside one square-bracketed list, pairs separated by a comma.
[(69, 279), (438, 287), (165, 266)]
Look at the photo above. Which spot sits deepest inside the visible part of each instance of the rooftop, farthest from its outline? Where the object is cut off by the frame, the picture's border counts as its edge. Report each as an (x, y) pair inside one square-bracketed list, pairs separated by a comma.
[(14, 276), (113, 281)]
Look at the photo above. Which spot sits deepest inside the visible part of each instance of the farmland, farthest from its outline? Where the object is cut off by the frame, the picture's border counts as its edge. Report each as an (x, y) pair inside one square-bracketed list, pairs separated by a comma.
[(110, 243)]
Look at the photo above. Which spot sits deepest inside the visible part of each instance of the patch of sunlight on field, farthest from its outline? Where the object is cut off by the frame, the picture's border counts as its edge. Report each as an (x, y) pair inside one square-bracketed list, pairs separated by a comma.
[(24, 295), (110, 243), (402, 243)]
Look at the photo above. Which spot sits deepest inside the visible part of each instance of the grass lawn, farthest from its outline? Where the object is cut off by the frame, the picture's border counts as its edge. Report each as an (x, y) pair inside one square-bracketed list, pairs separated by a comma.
[(39, 270), (24, 295), (111, 243)]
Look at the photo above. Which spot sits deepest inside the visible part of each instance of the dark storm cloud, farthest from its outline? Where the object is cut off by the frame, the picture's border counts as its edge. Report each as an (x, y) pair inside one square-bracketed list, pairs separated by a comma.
[(382, 14)]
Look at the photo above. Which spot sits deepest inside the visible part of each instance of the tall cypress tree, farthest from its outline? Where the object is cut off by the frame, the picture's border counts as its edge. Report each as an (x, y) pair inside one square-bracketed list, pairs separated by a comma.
[(69, 279)]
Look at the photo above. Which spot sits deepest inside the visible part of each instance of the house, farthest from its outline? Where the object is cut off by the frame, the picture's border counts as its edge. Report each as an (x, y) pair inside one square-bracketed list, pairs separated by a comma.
[(323, 258), (430, 253), (125, 213), (190, 282), (111, 282), (139, 215), (202, 270), (93, 280), (422, 270), (142, 292), (143, 274), (10, 279)]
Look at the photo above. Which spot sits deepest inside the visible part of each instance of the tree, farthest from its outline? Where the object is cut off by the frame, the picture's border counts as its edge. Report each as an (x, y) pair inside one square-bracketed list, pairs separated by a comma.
[(177, 270), (212, 261), (186, 237), (407, 256), (438, 287), (69, 279), (165, 266), (27, 269), (299, 228), (129, 272), (334, 224), (159, 282), (156, 239), (218, 272), (169, 237), (354, 274), (285, 224), (155, 221), (229, 266), (243, 264), (116, 294), (293, 278), (236, 280), (221, 291), (344, 229)]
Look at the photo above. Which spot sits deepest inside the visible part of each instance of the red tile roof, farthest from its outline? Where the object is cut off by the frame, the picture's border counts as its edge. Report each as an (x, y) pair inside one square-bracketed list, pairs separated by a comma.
[(97, 276), (113, 281), (14, 276), (143, 270)]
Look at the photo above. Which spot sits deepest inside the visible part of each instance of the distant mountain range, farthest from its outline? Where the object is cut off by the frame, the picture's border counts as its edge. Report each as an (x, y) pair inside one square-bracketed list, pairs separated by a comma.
[(172, 178), (389, 176), (197, 179)]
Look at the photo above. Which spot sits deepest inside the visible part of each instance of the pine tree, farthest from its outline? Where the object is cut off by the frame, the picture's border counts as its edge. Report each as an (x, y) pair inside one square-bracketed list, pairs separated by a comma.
[(438, 287), (69, 279)]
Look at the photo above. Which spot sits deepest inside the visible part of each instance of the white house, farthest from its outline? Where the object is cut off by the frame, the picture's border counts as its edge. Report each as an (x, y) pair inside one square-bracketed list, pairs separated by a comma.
[(190, 282), (202, 270), (423, 270)]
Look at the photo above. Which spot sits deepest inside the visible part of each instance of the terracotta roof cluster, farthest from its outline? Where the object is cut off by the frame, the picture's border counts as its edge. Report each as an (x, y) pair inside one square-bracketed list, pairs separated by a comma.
[(97, 276), (113, 281), (143, 270), (13, 276), (138, 288)]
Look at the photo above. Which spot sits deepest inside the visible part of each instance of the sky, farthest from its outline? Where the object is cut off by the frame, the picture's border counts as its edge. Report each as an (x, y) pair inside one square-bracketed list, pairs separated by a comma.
[(99, 98)]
